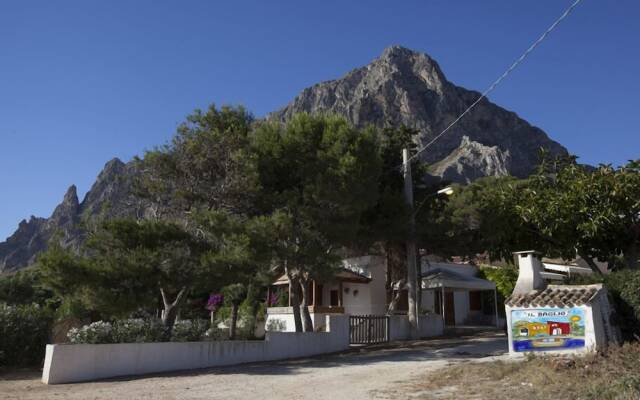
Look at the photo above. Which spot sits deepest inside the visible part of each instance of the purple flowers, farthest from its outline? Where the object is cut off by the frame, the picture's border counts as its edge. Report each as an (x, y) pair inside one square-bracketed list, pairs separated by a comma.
[(272, 300), (215, 300)]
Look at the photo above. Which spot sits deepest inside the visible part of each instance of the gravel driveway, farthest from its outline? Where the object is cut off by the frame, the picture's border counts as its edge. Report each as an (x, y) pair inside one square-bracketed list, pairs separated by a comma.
[(366, 373)]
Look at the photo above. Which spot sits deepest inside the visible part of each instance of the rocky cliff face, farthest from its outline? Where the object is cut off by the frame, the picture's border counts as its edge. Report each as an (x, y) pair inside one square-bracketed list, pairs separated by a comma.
[(110, 196), (406, 87), (400, 87)]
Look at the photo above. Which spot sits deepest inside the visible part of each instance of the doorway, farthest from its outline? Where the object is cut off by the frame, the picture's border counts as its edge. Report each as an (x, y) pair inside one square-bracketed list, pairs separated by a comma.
[(449, 309)]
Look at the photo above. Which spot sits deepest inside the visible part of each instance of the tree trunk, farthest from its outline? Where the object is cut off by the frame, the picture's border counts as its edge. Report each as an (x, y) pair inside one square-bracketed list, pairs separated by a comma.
[(307, 324), (253, 295), (234, 321), (294, 298), (393, 304), (170, 310)]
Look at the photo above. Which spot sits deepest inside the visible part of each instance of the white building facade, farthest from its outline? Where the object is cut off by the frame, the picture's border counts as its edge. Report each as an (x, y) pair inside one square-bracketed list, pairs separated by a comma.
[(359, 288)]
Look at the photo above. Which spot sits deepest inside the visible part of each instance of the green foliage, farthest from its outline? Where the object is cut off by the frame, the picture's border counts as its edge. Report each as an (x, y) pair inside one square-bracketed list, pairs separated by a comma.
[(138, 330), (206, 165), (567, 209), (129, 261), (320, 169), (245, 312), (624, 287), (386, 219), (94, 333), (145, 331), (189, 330), (504, 277), (72, 307), (24, 287), (24, 333), (234, 294), (564, 210), (478, 217)]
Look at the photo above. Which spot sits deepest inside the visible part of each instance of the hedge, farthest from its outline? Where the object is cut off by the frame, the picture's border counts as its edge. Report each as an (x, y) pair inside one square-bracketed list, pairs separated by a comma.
[(24, 333)]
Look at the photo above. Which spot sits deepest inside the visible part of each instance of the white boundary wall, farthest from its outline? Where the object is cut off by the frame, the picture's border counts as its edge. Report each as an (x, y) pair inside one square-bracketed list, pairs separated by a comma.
[(429, 325), (65, 363)]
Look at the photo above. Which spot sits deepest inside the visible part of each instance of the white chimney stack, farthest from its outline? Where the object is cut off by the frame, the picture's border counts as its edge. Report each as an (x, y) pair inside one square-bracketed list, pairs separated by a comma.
[(529, 277)]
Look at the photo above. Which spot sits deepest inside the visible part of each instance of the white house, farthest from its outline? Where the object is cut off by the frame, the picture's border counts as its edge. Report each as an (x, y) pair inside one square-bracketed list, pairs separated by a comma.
[(359, 288), (454, 291)]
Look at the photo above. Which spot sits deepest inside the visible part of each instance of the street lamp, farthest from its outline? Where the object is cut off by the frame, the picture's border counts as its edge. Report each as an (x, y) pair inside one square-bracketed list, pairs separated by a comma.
[(448, 191)]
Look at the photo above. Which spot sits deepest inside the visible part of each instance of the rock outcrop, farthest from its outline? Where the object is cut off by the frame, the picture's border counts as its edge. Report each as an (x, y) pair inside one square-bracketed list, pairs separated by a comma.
[(404, 87), (110, 196)]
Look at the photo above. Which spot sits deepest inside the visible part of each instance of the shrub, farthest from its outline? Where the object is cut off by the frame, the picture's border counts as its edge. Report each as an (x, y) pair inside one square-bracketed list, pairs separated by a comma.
[(24, 287), (624, 287), (216, 334), (138, 330), (188, 330), (94, 333), (24, 333), (505, 279)]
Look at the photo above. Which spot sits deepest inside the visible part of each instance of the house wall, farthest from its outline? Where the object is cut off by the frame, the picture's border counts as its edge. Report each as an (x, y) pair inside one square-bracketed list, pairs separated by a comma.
[(371, 298), (66, 363), (461, 306), (428, 301)]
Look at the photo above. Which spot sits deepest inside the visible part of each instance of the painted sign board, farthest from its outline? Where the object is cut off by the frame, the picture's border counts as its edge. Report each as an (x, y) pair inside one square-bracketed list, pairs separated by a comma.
[(547, 329)]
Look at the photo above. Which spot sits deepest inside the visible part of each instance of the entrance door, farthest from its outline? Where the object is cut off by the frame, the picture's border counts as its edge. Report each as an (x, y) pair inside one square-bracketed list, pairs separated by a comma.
[(449, 309)]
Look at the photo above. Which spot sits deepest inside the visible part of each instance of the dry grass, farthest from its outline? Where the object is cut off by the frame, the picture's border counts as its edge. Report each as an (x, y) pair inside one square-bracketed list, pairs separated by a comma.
[(614, 374)]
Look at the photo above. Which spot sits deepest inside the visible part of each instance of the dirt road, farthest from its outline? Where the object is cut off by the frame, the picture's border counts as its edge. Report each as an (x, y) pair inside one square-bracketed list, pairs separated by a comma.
[(371, 373)]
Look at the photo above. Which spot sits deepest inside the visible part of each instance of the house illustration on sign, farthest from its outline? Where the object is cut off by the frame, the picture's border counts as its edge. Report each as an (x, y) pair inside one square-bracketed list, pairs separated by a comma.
[(558, 328)]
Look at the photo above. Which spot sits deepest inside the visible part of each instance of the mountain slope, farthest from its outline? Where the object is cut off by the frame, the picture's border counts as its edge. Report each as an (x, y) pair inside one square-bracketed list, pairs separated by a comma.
[(407, 87), (110, 196)]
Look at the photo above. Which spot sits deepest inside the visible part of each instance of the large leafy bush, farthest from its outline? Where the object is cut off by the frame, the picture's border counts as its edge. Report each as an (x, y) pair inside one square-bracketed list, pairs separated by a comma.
[(24, 333), (138, 330), (624, 287), (94, 333), (505, 279), (187, 330)]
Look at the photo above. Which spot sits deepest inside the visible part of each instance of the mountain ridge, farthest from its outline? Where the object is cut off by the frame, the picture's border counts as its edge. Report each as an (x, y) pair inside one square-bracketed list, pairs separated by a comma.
[(401, 87)]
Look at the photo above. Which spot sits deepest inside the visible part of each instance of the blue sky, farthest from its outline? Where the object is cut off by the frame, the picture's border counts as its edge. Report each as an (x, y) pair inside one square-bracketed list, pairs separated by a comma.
[(82, 82)]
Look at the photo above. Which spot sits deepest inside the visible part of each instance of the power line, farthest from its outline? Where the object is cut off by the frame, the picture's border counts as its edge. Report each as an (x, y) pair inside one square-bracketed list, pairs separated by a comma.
[(513, 66)]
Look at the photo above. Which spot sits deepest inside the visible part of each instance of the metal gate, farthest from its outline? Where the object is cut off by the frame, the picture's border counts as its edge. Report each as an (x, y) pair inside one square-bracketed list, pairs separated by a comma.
[(368, 329)]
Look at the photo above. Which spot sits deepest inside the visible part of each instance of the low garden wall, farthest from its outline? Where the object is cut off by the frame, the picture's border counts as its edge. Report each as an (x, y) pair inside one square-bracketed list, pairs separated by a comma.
[(429, 325), (65, 363)]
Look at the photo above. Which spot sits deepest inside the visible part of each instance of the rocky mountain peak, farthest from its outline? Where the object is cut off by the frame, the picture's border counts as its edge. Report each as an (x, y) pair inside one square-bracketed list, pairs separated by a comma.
[(66, 212), (411, 63), (71, 197), (405, 87)]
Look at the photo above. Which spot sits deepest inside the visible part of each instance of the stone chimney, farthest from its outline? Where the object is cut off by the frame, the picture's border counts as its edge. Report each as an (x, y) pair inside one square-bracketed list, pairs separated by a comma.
[(529, 266)]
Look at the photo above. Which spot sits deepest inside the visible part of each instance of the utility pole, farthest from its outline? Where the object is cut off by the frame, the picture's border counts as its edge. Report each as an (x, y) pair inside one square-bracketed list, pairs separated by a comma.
[(412, 270)]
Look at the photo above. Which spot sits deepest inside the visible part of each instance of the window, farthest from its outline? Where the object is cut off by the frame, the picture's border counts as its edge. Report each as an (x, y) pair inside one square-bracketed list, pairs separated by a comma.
[(334, 298)]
